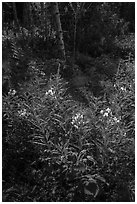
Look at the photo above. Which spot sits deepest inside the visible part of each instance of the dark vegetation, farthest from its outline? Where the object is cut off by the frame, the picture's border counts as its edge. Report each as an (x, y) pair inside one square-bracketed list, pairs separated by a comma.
[(68, 89)]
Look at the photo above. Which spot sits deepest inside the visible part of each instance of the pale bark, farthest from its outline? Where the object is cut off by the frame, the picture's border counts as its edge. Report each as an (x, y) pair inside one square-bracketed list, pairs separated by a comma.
[(59, 30), (15, 14), (42, 12)]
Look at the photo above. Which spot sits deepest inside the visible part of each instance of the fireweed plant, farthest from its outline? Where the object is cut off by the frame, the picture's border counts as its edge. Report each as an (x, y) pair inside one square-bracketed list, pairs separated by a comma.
[(65, 151)]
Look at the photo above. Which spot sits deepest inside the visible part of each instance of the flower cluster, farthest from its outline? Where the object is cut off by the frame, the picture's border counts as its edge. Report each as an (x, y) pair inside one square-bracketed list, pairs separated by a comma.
[(77, 120), (51, 92), (123, 88), (108, 113), (80, 118), (22, 112), (12, 92)]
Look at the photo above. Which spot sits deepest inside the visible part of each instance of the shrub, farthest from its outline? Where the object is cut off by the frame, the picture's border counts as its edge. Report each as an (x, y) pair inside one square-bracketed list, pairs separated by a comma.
[(66, 151)]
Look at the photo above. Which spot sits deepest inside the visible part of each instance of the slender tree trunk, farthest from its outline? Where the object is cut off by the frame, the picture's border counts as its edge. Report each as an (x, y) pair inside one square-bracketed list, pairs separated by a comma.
[(30, 15), (42, 13), (76, 16), (59, 29), (46, 21), (75, 32), (44, 26), (15, 14), (26, 15)]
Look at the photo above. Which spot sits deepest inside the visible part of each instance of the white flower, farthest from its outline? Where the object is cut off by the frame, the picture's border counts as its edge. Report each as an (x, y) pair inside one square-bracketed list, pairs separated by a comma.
[(116, 120), (108, 110), (12, 92), (123, 89), (105, 114), (50, 92), (42, 73), (22, 112), (101, 111), (77, 119), (113, 120)]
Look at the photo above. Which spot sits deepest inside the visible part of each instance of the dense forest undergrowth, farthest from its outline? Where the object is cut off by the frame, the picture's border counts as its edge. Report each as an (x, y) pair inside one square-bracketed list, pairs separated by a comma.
[(68, 88)]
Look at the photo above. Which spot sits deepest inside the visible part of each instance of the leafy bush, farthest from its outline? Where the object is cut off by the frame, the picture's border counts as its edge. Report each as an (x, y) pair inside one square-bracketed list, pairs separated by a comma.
[(68, 152)]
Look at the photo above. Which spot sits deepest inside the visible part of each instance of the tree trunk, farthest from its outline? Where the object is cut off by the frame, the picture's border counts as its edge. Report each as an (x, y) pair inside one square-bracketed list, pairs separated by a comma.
[(26, 15), (30, 15), (44, 26), (59, 30), (15, 14), (42, 13)]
